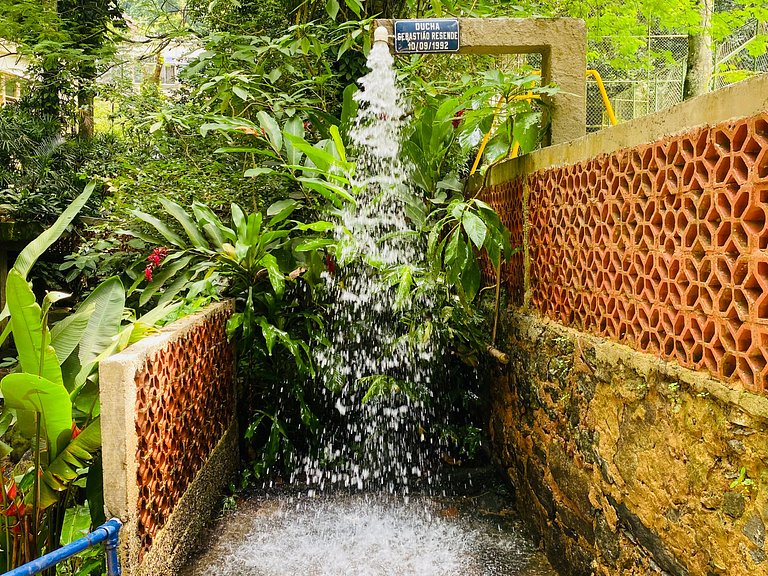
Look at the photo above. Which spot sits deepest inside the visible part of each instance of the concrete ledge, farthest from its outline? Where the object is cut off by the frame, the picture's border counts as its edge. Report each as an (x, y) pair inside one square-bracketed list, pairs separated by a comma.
[(119, 409)]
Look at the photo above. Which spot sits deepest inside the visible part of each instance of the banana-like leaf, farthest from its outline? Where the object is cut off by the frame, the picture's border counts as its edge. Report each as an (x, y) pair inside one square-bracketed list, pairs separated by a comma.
[(161, 227), (77, 522), (66, 334), (31, 393), (36, 355), (186, 222), (62, 470), (108, 300), (51, 298), (35, 249)]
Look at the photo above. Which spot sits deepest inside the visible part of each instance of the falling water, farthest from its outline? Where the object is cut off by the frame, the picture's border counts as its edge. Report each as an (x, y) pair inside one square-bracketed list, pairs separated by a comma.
[(380, 442)]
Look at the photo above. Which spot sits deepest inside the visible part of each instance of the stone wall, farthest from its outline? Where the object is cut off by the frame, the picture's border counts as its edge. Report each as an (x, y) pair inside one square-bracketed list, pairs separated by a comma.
[(633, 417), (169, 438), (628, 465)]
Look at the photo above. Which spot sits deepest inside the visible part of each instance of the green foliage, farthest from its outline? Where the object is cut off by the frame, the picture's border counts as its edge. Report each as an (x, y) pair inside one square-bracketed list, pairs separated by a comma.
[(64, 39), (261, 261), (240, 75), (41, 172), (52, 401)]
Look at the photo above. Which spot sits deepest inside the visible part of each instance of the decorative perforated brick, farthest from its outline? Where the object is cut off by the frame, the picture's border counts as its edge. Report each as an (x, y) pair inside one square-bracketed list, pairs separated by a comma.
[(507, 199), (663, 247), (185, 400)]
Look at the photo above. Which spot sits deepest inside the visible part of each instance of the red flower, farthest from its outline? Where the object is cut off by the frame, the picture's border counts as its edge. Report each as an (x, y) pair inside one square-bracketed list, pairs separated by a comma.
[(154, 259), (15, 510), (157, 256), (457, 119), (330, 264), (75, 431)]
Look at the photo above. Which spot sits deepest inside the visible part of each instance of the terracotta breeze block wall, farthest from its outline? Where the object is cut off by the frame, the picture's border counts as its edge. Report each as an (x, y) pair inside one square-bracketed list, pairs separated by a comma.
[(663, 247), (184, 403), (507, 199), (169, 437)]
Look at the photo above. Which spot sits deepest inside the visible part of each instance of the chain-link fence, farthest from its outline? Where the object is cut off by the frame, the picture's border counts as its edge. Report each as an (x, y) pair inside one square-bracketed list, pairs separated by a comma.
[(659, 84), (649, 88), (733, 60)]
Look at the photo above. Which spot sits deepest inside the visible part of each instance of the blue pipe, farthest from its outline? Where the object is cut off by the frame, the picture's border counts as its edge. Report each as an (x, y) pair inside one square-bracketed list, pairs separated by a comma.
[(107, 533)]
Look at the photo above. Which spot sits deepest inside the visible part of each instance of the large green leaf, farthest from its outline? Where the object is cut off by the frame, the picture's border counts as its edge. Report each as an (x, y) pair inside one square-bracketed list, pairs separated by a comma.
[(272, 130), (470, 278), (63, 469), (66, 334), (526, 130), (294, 127), (108, 300), (94, 492), (35, 249), (319, 157), (280, 210), (77, 522), (31, 393), (475, 228), (349, 105), (33, 344), (186, 222), (276, 277), (212, 225), (161, 227)]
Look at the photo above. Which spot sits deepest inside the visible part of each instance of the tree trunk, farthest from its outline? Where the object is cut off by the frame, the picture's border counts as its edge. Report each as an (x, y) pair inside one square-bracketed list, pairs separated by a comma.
[(700, 65), (85, 101)]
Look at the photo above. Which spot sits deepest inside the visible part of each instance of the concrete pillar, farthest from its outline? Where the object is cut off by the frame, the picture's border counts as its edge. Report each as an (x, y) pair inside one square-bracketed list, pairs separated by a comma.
[(562, 42)]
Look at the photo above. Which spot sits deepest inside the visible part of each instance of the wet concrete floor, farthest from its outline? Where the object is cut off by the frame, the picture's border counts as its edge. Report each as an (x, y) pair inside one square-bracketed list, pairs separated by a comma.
[(471, 532)]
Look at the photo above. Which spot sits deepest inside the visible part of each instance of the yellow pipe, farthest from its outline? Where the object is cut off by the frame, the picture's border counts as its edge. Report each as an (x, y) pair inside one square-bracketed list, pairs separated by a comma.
[(486, 137), (600, 86), (530, 96)]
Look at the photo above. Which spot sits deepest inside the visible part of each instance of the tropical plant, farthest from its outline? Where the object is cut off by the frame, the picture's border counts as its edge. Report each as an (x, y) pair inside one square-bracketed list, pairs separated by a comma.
[(266, 262), (52, 401), (40, 170)]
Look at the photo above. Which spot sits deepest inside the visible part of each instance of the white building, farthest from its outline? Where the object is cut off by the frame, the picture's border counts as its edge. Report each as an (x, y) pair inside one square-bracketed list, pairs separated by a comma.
[(13, 70)]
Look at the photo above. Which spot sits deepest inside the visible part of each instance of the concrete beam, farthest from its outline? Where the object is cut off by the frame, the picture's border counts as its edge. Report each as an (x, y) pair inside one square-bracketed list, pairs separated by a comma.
[(562, 42)]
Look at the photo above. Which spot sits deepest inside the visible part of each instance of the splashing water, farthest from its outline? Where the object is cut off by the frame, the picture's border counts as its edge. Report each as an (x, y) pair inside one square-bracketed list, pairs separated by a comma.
[(379, 443), (357, 535), (374, 368)]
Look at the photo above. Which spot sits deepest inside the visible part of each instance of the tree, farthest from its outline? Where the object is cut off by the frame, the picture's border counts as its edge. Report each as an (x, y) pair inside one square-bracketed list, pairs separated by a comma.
[(65, 40), (700, 65)]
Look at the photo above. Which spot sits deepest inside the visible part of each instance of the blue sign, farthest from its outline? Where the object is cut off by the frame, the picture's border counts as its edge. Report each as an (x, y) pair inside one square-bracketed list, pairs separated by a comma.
[(430, 35)]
